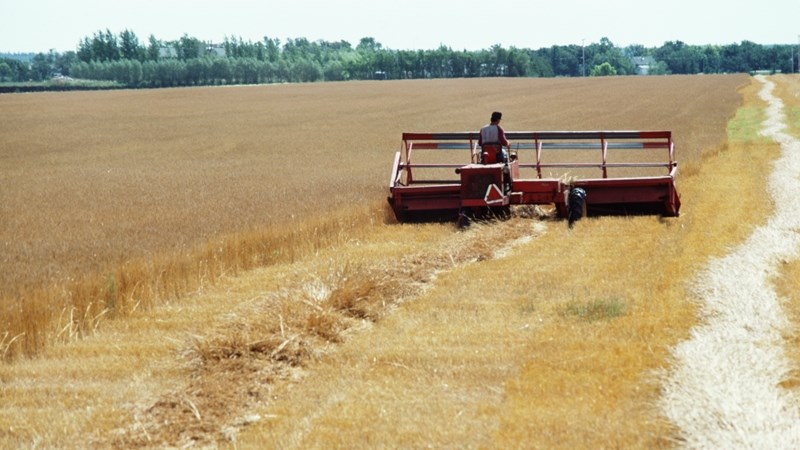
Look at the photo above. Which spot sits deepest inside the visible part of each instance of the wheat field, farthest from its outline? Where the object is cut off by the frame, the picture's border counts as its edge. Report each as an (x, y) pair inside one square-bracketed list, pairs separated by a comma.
[(294, 302), (163, 181)]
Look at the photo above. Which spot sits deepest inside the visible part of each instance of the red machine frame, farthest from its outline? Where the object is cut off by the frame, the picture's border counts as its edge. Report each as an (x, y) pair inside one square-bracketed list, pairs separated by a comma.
[(496, 186)]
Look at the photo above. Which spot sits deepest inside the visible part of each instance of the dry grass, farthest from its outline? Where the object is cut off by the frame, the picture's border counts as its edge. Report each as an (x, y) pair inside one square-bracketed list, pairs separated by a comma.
[(75, 308), (788, 281), (494, 353), (274, 337), (429, 374), (788, 285), (510, 366), (720, 385), (591, 384), (109, 196), (788, 89), (236, 342)]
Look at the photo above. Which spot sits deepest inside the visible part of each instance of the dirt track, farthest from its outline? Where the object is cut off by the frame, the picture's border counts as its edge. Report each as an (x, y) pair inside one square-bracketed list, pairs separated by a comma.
[(724, 390)]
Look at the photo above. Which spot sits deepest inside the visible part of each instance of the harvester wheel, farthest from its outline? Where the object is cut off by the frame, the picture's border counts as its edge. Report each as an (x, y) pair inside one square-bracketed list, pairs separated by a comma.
[(577, 205)]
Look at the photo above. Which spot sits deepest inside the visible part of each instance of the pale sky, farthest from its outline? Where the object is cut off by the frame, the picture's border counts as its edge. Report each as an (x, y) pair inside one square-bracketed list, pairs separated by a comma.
[(41, 25)]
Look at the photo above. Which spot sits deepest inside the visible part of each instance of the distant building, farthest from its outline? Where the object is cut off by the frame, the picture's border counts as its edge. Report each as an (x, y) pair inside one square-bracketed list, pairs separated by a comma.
[(215, 50), (643, 64), (167, 51), (24, 57)]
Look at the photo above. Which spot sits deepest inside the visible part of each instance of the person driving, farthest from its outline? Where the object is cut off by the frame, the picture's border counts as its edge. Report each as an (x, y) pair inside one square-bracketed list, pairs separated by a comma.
[(491, 140)]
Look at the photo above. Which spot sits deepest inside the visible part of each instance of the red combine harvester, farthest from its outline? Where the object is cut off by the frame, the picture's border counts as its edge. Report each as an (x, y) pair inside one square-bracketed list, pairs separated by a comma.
[(579, 172)]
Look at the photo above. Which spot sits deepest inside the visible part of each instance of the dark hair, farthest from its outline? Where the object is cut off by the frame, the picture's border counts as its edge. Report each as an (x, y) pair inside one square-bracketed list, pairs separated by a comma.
[(496, 116)]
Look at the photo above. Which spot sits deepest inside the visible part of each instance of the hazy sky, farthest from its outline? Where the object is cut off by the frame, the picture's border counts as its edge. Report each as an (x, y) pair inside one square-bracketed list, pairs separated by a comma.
[(40, 25)]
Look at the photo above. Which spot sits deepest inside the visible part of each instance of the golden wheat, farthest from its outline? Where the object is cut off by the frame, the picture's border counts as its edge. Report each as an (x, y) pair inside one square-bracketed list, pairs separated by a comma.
[(94, 181), (461, 349)]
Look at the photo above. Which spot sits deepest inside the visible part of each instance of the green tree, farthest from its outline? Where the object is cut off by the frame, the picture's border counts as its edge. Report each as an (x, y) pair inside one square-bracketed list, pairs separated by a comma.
[(105, 46), (712, 60), (306, 71), (499, 59), (406, 62), (603, 70), (782, 57), (299, 49), (102, 46), (153, 48), (267, 72), (333, 71), (605, 51), (518, 62), (134, 73), (302, 60), (189, 47), (245, 70), (5, 71), (386, 62), (42, 66), (174, 72), (680, 57), (360, 64), (566, 60), (85, 50), (129, 47), (368, 44), (63, 62), (198, 71), (272, 48), (635, 50), (659, 68), (754, 56), (79, 69), (540, 64), (220, 70)]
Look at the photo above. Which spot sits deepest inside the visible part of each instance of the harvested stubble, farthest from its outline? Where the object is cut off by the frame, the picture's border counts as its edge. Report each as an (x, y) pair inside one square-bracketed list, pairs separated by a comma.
[(787, 87), (488, 357), (279, 320), (93, 181), (579, 383), (457, 367), (788, 281)]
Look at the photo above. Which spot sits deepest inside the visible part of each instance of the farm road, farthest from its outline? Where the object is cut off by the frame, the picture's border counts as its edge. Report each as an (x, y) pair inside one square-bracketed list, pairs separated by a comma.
[(724, 389)]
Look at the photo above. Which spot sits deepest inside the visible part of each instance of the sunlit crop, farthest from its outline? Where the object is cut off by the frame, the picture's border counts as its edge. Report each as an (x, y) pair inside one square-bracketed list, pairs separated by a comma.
[(130, 213)]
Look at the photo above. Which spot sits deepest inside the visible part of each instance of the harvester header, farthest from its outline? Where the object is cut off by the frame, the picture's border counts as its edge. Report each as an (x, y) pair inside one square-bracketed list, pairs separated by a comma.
[(448, 175)]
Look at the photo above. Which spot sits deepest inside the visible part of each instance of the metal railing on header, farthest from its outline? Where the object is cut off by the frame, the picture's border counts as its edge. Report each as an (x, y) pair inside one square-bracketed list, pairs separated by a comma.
[(540, 141)]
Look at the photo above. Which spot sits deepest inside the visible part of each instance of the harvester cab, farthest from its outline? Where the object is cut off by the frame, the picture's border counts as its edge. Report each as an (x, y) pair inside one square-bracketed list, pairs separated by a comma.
[(577, 172)]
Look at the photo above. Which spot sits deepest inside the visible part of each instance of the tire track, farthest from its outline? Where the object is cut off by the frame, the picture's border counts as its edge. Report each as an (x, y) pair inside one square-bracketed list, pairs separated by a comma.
[(724, 389)]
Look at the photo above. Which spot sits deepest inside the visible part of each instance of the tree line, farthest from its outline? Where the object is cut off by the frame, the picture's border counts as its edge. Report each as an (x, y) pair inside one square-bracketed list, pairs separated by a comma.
[(189, 61)]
